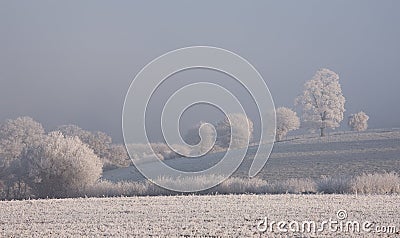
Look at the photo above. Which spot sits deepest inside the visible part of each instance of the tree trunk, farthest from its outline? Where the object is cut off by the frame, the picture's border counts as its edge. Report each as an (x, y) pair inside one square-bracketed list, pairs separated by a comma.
[(323, 125), (322, 132)]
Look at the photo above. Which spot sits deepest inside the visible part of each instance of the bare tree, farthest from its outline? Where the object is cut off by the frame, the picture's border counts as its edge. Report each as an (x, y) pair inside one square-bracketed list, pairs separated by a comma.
[(358, 121), (322, 101), (286, 120)]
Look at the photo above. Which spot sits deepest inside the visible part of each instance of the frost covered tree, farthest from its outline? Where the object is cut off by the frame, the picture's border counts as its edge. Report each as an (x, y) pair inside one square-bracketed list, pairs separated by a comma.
[(286, 120), (206, 142), (118, 158), (243, 133), (61, 166), (358, 121), (99, 141), (15, 137), (322, 101)]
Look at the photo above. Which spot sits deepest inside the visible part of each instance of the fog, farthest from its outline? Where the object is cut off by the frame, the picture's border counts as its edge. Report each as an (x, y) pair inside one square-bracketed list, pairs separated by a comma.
[(72, 62)]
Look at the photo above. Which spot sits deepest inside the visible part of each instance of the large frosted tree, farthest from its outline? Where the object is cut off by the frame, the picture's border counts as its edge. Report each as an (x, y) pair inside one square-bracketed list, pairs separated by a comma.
[(322, 101)]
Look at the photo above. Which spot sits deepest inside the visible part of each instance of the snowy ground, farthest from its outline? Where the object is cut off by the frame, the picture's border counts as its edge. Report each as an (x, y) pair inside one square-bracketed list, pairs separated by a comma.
[(201, 216), (340, 154)]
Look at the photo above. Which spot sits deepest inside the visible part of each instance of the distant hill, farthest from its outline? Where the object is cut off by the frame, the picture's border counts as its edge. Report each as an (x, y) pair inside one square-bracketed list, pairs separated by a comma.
[(338, 154)]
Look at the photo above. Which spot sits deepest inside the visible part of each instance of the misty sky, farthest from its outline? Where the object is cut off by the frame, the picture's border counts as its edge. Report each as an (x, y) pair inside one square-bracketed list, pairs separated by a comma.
[(73, 61)]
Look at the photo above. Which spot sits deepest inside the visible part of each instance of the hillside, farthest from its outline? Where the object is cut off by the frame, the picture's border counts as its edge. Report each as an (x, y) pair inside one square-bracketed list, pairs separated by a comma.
[(340, 154)]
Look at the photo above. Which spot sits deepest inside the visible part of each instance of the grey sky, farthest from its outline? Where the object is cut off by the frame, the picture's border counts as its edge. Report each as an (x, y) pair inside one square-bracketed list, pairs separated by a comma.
[(72, 61)]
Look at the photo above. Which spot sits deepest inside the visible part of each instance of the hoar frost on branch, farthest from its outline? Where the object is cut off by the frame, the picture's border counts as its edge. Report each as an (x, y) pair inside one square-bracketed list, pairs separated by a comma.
[(286, 120), (358, 121), (322, 101)]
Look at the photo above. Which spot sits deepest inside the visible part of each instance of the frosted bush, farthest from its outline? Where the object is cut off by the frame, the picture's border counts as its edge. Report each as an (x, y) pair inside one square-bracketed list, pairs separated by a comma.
[(334, 185), (61, 166), (378, 183), (241, 185)]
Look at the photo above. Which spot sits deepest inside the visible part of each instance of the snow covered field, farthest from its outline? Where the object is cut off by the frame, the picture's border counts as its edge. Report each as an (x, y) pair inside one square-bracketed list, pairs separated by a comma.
[(220, 215), (341, 154)]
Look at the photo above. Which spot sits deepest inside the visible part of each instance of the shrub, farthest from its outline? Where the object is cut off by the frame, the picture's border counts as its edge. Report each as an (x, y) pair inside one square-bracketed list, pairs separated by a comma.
[(241, 185), (332, 185), (61, 166), (378, 183), (293, 186)]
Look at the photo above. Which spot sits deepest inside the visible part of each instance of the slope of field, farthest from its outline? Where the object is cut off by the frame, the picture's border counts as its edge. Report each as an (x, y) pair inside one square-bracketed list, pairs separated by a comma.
[(341, 154), (229, 215)]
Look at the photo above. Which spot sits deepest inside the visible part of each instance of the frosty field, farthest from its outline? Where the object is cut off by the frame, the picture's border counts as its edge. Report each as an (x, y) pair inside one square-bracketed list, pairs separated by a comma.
[(220, 215)]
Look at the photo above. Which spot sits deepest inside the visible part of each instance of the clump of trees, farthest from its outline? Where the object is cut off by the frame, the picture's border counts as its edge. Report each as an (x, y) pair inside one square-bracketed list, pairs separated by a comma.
[(111, 155), (286, 120), (58, 164), (236, 126), (358, 121), (322, 101)]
